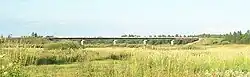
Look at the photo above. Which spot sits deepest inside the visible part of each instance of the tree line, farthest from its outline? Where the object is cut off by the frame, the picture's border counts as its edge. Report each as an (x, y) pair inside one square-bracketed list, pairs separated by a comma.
[(35, 38), (162, 35), (237, 37)]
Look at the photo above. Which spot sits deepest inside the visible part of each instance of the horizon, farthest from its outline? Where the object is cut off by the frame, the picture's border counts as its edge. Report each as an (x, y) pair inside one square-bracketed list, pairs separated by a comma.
[(115, 18)]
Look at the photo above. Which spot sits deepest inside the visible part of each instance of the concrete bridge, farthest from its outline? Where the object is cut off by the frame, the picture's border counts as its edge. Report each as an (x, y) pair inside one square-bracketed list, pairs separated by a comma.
[(145, 39)]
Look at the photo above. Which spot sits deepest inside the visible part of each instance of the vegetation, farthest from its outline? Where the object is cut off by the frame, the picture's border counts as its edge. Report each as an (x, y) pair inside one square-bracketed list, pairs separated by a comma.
[(237, 37), (132, 62), (62, 45), (9, 69), (207, 57)]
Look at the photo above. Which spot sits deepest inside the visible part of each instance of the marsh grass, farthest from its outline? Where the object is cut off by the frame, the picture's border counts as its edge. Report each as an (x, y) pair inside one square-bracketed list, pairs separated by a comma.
[(217, 61), (43, 57), (10, 69)]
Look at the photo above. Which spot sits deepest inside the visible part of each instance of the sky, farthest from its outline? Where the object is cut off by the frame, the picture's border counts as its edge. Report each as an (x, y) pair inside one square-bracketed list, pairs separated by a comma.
[(117, 17)]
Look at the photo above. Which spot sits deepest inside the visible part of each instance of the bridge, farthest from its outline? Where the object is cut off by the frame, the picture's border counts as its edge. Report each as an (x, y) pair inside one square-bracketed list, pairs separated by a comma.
[(77, 38), (82, 39)]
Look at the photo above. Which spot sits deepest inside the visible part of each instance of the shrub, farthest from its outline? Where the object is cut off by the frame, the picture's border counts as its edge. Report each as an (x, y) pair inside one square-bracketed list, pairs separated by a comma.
[(120, 56), (225, 42), (63, 45), (49, 60)]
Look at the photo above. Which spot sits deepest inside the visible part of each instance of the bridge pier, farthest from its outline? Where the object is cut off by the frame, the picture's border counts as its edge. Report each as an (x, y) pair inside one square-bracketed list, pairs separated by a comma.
[(172, 42), (145, 42), (114, 42), (82, 42)]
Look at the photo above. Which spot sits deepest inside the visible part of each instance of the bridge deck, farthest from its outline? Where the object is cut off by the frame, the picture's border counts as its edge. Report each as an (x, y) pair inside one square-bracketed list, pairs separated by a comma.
[(93, 38)]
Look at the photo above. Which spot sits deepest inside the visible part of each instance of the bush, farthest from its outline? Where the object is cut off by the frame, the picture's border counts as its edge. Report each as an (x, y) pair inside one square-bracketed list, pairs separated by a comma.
[(63, 45), (225, 42), (120, 56)]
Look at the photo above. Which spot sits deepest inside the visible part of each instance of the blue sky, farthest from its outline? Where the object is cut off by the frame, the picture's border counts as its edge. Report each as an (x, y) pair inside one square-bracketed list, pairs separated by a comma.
[(116, 17)]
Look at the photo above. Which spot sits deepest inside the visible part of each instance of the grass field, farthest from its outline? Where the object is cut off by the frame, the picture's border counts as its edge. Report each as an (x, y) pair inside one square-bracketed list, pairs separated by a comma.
[(157, 61)]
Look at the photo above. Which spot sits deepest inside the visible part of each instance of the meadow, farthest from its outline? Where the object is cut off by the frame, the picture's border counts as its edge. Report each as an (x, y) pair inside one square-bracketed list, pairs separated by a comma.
[(231, 60)]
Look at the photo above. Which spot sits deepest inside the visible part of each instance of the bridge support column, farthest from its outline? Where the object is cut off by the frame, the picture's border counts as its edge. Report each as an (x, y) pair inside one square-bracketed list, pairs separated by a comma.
[(145, 42), (172, 42), (82, 42), (114, 42)]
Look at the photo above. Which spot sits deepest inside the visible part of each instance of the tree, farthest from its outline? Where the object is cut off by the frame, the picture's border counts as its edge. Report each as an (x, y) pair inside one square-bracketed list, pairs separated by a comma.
[(248, 32), (10, 35), (33, 34), (238, 37), (124, 35), (130, 35), (176, 35), (150, 36), (1, 36)]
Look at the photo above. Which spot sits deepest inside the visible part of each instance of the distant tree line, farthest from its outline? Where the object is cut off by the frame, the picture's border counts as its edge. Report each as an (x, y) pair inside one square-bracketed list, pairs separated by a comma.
[(130, 35), (176, 35), (238, 37), (157, 41), (33, 34), (139, 41), (34, 38), (211, 35)]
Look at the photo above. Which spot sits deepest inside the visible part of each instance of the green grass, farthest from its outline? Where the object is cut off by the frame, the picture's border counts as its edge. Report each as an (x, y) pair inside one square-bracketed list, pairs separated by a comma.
[(157, 61)]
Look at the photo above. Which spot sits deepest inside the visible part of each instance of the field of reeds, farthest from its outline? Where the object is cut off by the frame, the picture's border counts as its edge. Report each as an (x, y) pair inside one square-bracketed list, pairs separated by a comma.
[(127, 61)]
